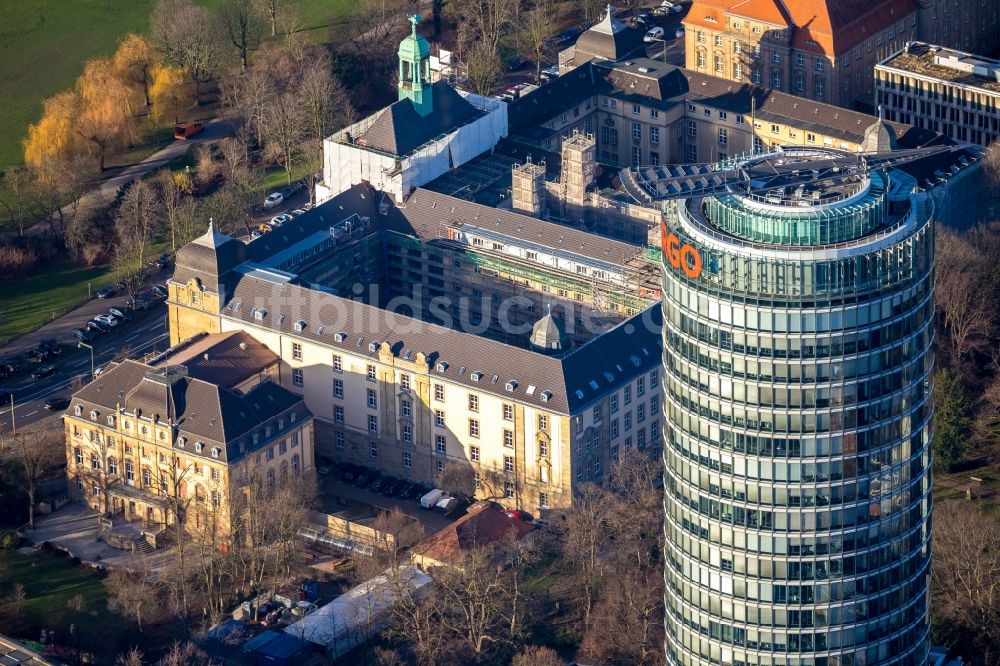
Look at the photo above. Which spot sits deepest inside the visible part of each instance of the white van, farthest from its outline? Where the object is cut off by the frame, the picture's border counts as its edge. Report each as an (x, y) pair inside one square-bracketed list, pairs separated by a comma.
[(430, 499), (653, 34)]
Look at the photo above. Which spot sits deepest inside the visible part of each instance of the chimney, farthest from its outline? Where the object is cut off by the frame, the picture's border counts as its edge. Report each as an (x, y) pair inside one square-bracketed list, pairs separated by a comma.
[(206, 356), (243, 346)]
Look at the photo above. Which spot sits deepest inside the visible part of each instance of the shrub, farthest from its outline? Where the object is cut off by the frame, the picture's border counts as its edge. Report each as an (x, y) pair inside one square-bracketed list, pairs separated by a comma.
[(16, 262)]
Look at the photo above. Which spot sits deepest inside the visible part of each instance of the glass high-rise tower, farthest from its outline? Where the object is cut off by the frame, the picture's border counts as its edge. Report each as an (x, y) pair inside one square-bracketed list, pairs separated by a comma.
[(797, 345)]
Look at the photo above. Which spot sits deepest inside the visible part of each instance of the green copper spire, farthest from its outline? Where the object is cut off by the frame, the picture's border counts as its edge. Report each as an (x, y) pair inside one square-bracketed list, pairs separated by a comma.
[(415, 70)]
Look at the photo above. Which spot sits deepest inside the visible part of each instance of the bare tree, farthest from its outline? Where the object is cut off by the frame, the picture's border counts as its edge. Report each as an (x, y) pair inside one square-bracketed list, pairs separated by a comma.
[(132, 593), (18, 181), (372, 26), (189, 36), (960, 286), (273, 9), (537, 655), (176, 209), (584, 531), (536, 32), (244, 25), (483, 23), (966, 579), (484, 69), (627, 622), (37, 452), (131, 658), (134, 224)]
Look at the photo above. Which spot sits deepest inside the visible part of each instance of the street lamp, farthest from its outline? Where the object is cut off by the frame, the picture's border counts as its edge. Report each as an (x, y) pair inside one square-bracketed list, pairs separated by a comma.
[(80, 344)]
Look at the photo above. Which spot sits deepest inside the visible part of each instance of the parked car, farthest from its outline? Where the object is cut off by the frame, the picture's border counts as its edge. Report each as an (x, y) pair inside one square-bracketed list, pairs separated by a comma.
[(679, 33), (97, 326), (517, 514), (107, 319), (121, 313), (56, 403), (380, 484), (653, 34), (99, 370), (297, 212), (366, 478), (255, 234), (36, 355), (158, 290), (51, 346), (82, 334), (279, 220), (273, 199), (10, 367), (395, 488), (141, 302), (506, 97), (44, 371), (107, 292), (349, 471)]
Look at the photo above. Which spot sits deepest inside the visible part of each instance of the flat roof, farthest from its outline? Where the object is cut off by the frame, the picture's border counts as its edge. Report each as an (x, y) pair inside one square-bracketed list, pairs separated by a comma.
[(921, 59)]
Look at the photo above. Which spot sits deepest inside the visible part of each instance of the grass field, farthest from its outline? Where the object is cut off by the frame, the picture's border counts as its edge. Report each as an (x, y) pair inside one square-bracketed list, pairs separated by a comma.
[(50, 582), (44, 44), (30, 303)]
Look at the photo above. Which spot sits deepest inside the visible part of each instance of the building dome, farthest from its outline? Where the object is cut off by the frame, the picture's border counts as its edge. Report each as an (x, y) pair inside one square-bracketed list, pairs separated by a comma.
[(548, 334), (414, 47), (608, 39), (879, 137)]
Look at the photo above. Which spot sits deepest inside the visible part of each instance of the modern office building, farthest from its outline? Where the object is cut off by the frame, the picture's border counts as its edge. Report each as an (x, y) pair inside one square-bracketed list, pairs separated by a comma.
[(798, 331), (942, 90)]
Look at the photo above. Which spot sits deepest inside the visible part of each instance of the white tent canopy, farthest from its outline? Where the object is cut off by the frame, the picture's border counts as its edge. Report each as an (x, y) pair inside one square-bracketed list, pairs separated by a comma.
[(357, 615)]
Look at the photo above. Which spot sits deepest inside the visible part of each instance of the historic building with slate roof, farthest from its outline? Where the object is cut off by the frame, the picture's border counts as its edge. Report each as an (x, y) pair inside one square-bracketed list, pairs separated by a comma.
[(146, 443), (454, 374)]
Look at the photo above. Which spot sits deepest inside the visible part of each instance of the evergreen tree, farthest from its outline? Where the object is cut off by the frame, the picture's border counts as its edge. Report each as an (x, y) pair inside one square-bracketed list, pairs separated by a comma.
[(952, 424)]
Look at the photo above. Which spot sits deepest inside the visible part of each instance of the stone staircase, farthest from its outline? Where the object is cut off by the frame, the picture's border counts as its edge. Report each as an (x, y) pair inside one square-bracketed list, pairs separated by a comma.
[(140, 545)]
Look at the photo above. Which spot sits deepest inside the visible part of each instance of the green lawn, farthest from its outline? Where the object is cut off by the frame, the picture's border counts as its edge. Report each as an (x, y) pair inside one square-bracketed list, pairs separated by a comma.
[(50, 581), (45, 43), (27, 304)]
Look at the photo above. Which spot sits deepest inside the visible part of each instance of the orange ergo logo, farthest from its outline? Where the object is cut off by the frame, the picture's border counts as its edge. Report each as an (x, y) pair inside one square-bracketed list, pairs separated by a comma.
[(682, 257)]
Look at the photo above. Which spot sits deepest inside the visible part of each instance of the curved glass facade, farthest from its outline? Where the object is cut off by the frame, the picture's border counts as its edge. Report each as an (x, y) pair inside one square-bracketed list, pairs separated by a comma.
[(797, 446)]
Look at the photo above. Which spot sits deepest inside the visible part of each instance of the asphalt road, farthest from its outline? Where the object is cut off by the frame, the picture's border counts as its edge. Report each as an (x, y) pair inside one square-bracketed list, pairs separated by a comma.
[(144, 333)]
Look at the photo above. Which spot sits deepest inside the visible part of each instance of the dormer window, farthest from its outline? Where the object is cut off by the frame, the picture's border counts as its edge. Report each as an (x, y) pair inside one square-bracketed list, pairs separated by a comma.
[(511, 385), (93, 415), (373, 345), (78, 410), (476, 376), (340, 337), (546, 396), (216, 451), (291, 417), (299, 326), (111, 420), (181, 441), (259, 314), (198, 446), (256, 439), (441, 367), (281, 424)]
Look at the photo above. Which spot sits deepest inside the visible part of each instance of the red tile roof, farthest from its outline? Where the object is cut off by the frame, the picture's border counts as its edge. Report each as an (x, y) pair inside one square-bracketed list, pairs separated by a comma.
[(484, 524), (829, 27)]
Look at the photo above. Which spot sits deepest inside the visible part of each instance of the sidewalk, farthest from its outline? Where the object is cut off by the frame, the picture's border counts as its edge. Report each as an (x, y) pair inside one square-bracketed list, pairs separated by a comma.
[(215, 129)]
